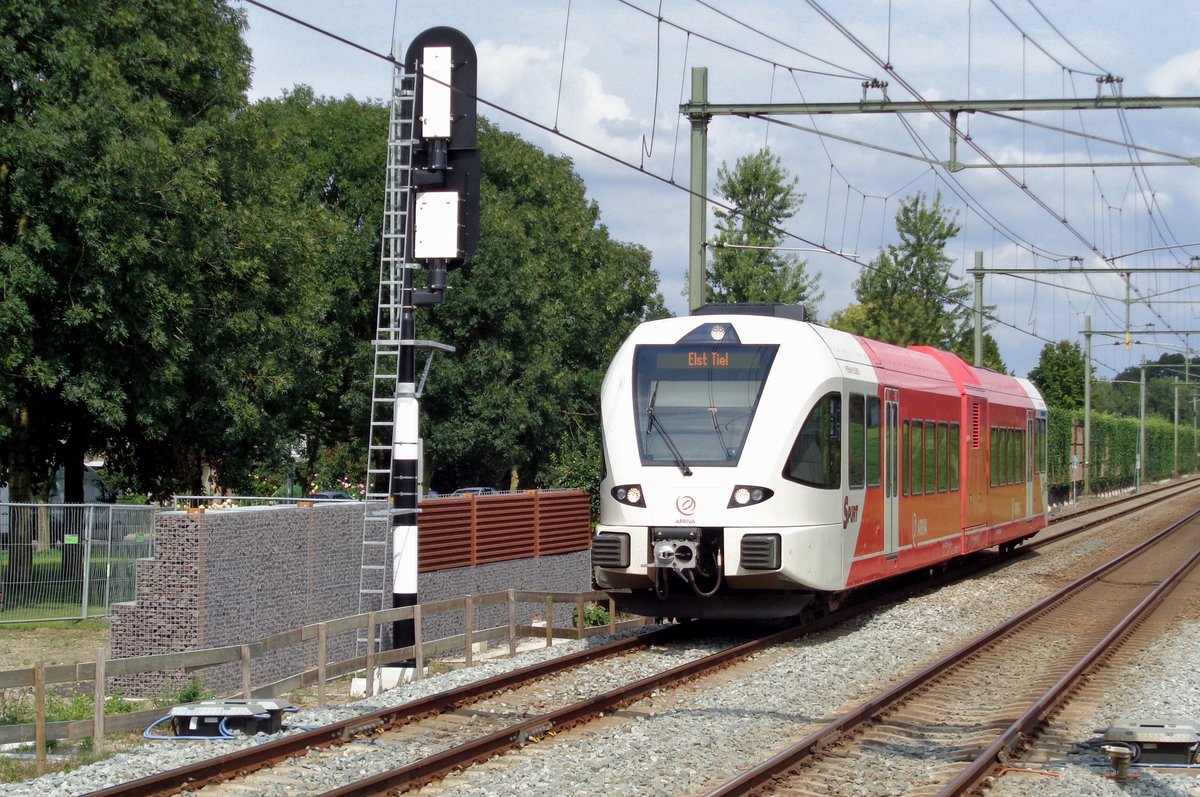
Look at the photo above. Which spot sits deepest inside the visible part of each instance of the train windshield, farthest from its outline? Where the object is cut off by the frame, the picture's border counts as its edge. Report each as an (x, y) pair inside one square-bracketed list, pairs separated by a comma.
[(695, 403)]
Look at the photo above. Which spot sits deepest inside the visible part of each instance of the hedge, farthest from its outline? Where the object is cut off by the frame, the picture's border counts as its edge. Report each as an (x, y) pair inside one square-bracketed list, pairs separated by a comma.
[(1114, 448)]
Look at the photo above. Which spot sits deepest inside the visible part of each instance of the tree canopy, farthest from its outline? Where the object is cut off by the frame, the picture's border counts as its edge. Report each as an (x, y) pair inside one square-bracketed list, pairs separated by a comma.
[(188, 281), (535, 316), (109, 202), (1059, 375), (745, 265), (1166, 377), (908, 295)]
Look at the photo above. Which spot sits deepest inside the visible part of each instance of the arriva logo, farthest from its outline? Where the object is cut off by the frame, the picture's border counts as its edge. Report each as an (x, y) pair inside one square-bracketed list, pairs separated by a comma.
[(849, 513), (685, 504)]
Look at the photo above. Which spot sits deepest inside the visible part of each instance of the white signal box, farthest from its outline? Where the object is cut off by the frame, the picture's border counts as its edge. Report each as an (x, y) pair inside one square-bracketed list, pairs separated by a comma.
[(435, 110), (435, 226)]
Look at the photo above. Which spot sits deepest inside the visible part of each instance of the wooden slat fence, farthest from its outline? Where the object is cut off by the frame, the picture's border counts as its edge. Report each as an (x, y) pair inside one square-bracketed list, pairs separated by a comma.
[(467, 531)]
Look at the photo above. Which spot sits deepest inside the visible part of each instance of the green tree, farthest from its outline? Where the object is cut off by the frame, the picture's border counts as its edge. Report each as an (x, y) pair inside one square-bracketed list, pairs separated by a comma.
[(535, 317), (745, 264), (964, 347), (1123, 395), (276, 316), (908, 294), (107, 117), (1059, 375), (108, 114)]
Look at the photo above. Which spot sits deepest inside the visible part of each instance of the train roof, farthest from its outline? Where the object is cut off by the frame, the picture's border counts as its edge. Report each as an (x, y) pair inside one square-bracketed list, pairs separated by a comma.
[(793, 312)]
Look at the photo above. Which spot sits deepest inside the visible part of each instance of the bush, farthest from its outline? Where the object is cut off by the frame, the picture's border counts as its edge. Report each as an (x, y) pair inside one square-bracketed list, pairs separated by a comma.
[(594, 614)]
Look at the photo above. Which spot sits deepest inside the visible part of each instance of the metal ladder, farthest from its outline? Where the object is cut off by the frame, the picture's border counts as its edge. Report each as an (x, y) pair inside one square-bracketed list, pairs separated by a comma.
[(376, 537)]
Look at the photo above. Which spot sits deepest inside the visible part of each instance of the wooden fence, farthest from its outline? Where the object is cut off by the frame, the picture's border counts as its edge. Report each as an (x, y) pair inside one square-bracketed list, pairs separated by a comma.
[(42, 676), (470, 530)]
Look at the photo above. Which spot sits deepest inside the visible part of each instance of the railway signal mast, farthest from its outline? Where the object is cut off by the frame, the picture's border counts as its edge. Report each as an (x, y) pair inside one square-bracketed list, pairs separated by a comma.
[(431, 219)]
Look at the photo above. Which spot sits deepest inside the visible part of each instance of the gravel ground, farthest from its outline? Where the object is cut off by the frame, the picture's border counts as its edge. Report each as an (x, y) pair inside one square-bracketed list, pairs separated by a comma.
[(716, 733)]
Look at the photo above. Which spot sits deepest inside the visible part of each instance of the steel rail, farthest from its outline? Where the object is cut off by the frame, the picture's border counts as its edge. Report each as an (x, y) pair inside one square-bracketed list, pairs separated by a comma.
[(1008, 742), (259, 756), (433, 767), (751, 779), (251, 759)]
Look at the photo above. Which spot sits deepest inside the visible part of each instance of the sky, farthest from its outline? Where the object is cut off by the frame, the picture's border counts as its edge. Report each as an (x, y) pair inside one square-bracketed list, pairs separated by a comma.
[(601, 82)]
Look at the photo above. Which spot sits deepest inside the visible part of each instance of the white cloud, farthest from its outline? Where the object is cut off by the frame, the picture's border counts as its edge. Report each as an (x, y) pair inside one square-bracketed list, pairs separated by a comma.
[(1179, 76)]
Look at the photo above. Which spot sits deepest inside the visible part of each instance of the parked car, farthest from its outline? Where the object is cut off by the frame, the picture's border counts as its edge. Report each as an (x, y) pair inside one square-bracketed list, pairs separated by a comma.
[(95, 491), (473, 491)]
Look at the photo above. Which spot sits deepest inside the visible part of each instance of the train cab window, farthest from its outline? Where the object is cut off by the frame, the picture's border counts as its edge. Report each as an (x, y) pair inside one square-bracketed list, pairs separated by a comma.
[(695, 402), (816, 456), (874, 441), (930, 457), (954, 455), (856, 440)]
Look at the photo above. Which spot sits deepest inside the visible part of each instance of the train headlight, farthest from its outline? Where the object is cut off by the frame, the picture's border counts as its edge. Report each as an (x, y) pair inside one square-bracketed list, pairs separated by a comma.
[(629, 494), (748, 495)]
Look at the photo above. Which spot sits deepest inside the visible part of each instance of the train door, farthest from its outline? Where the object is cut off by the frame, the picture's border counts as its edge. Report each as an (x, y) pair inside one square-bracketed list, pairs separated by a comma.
[(1030, 444), (891, 471)]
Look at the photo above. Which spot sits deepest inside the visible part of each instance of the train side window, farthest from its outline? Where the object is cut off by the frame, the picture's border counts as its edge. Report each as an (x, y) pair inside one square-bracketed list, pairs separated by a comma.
[(994, 455), (1008, 456), (954, 454), (874, 441), (1014, 460), (915, 469), (905, 446), (1002, 454), (943, 457), (816, 456), (857, 444), (930, 457), (1026, 448)]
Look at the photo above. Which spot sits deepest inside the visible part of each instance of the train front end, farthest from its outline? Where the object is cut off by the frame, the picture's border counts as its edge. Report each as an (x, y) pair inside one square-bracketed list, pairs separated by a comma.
[(696, 519)]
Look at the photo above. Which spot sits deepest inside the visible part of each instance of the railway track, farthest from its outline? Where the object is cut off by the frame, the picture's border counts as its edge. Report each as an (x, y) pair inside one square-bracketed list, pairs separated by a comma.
[(445, 734), (952, 722)]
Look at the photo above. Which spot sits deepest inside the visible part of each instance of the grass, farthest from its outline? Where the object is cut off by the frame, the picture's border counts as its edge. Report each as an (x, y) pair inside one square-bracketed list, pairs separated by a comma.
[(62, 704), (48, 595)]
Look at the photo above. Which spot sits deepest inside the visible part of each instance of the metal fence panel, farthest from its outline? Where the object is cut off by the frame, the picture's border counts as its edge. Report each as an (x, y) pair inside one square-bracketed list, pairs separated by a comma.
[(70, 561)]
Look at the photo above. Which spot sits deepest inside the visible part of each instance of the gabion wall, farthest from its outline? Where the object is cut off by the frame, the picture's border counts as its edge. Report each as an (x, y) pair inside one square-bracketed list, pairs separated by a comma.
[(232, 577)]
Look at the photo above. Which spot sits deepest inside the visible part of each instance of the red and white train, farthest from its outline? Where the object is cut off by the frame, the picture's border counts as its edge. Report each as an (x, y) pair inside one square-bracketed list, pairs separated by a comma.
[(757, 464)]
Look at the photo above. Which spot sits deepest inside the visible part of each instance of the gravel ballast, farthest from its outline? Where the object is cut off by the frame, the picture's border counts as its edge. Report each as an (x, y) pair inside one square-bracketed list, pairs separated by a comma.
[(713, 734)]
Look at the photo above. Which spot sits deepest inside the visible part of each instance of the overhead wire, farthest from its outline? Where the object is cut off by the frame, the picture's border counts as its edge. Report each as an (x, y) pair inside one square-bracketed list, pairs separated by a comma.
[(742, 23), (616, 159), (562, 65), (648, 152), (1104, 77), (1020, 184), (851, 75)]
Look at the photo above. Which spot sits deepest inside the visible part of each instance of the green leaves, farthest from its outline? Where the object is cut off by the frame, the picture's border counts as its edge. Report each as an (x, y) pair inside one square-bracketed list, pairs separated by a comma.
[(535, 317), (1059, 374), (745, 266), (908, 294)]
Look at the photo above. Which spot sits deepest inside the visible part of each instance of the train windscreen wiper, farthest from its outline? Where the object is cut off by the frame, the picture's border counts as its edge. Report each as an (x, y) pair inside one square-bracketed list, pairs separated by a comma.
[(653, 422)]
